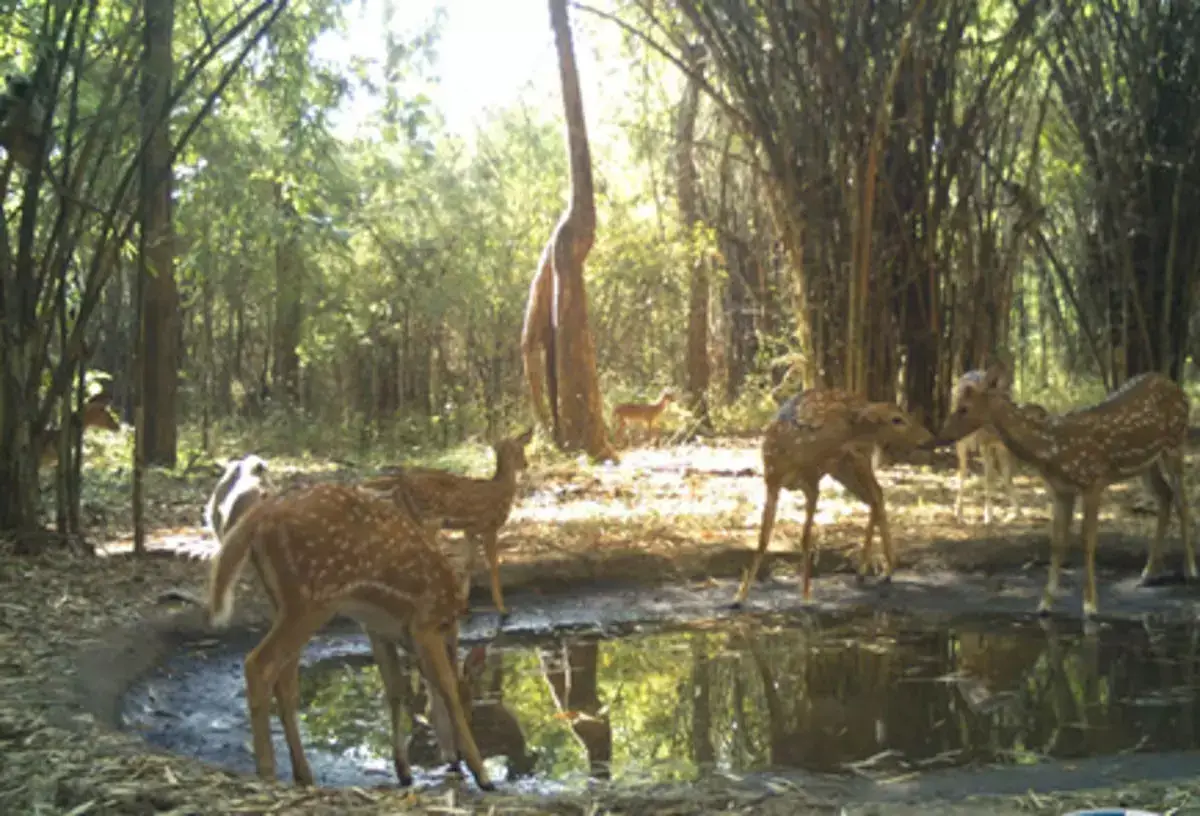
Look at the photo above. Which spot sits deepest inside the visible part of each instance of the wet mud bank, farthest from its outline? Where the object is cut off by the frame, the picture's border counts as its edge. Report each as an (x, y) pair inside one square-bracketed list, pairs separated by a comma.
[(937, 685)]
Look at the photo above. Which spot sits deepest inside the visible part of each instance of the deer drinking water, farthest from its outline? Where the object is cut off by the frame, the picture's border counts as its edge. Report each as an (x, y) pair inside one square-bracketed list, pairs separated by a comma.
[(1138, 430), (334, 549), (478, 507), (829, 431)]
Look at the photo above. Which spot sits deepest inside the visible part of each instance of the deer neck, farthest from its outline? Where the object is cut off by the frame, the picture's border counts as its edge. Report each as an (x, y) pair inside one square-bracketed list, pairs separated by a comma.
[(1027, 436), (506, 473)]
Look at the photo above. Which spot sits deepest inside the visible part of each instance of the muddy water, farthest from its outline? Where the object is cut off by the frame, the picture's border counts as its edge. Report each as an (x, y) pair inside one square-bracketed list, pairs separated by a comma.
[(863, 694)]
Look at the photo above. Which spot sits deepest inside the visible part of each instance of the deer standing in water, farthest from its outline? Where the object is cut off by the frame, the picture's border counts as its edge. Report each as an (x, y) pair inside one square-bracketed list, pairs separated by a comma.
[(628, 413), (334, 549), (1138, 430), (829, 431), (478, 507), (96, 413)]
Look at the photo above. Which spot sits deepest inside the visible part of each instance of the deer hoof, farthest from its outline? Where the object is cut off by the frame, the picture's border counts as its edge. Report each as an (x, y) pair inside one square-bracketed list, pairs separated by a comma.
[(860, 578)]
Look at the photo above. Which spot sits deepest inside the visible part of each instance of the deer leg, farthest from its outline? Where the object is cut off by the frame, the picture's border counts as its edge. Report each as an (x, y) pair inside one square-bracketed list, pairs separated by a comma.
[(287, 697), (811, 492), (1004, 459), (1060, 528), (470, 556), (491, 548), (435, 664), (962, 450), (1091, 526), (278, 649), (392, 674), (1164, 493), (1173, 463), (764, 539), (989, 473), (858, 477)]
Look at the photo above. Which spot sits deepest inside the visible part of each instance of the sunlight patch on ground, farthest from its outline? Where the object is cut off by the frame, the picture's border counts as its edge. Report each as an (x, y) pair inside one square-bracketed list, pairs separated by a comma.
[(695, 481)]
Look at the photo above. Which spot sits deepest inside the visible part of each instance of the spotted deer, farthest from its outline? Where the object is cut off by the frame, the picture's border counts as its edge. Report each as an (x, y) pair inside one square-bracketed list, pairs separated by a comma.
[(96, 413), (628, 413), (478, 507), (829, 431), (994, 456), (1138, 430), (332, 549)]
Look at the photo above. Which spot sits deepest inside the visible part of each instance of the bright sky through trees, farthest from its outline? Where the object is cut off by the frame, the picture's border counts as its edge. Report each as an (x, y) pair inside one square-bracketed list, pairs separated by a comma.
[(489, 50)]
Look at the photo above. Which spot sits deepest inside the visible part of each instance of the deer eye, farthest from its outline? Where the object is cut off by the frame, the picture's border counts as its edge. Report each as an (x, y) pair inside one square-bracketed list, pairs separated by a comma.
[(897, 420)]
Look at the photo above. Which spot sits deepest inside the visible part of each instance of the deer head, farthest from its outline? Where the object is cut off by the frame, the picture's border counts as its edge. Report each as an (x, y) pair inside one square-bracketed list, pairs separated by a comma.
[(974, 402), (98, 413), (245, 482), (889, 425), (511, 451)]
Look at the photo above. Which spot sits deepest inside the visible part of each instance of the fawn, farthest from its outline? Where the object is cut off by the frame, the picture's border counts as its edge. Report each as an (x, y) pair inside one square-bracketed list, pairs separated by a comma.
[(478, 507), (96, 413), (332, 549), (829, 431), (995, 457), (1140, 429), (646, 413)]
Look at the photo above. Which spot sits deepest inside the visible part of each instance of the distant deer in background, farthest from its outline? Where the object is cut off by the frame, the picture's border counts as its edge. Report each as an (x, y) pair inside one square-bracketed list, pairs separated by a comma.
[(96, 413), (628, 413), (995, 456)]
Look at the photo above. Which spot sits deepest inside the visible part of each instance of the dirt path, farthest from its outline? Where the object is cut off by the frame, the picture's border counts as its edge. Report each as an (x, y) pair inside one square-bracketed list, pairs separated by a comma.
[(662, 537)]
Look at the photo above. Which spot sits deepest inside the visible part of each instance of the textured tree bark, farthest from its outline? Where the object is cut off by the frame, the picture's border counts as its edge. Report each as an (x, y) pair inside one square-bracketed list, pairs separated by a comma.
[(698, 371), (556, 319), (160, 316), (289, 306)]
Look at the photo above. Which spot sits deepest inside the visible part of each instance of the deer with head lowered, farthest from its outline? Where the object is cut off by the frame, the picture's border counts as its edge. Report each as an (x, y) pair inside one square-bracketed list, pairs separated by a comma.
[(96, 413), (829, 431), (1138, 430), (332, 549), (628, 413), (478, 507)]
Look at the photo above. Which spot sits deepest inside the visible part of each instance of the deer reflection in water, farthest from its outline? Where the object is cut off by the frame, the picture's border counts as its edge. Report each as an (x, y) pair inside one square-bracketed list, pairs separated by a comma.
[(959, 697), (873, 693)]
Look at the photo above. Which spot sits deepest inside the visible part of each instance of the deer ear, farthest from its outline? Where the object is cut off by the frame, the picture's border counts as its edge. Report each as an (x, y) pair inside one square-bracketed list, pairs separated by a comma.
[(996, 378), (526, 437)]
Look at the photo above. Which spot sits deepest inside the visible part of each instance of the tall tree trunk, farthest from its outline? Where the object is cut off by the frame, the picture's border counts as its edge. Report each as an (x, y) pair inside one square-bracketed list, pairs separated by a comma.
[(579, 407), (289, 305), (685, 168), (160, 316)]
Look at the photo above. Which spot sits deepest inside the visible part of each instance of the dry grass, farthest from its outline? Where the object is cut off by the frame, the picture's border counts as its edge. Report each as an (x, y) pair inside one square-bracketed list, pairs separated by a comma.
[(662, 514)]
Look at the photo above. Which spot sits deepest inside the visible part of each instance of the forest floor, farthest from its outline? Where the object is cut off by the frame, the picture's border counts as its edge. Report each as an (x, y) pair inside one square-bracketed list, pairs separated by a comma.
[(75, 631)]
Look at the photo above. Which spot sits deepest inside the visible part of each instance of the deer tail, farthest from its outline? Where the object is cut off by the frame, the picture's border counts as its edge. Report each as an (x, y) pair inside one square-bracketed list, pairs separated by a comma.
[(227, 567)]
